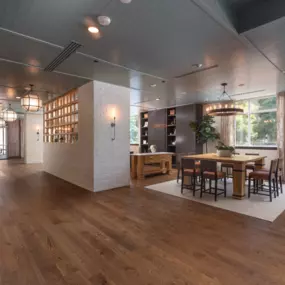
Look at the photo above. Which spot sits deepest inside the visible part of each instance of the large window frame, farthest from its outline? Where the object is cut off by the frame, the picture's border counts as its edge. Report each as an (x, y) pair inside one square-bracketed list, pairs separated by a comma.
[(249, 112)]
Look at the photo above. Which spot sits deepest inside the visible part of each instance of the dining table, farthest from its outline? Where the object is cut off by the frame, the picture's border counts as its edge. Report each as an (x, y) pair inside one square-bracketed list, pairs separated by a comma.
[(239, 171)]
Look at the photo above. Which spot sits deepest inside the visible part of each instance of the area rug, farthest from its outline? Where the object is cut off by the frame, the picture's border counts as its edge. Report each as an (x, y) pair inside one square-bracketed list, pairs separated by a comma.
[(257, 206)]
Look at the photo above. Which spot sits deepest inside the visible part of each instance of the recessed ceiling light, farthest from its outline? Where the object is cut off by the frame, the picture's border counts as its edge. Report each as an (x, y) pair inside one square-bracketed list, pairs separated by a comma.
[(18, 97), (93, 30), (157, 99), (153, 85), (104, 20), (197, 65), (126, 1)]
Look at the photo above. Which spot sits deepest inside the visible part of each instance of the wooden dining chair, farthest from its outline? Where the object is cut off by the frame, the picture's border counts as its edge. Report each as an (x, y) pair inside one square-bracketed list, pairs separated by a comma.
[(263, 175), (210, 171), (179, 156), (188, 169)]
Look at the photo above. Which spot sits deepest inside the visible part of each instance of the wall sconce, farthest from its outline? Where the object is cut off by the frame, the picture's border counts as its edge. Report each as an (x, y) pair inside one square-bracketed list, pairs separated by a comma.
[(113, 124), (38, 135)]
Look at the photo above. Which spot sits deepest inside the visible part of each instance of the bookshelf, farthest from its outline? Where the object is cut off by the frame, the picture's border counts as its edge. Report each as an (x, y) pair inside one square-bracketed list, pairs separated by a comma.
[(171, 131), (61, 119), (144, 132)]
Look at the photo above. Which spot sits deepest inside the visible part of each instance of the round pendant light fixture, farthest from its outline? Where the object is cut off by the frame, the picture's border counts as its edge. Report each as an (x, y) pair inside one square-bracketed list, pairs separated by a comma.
[(9, 115), (224, 109), (31, 102)]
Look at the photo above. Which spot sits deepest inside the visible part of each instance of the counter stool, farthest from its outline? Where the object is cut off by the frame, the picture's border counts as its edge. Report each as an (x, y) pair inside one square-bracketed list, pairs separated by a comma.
[(210, 171), (264, 175), (188, 169)]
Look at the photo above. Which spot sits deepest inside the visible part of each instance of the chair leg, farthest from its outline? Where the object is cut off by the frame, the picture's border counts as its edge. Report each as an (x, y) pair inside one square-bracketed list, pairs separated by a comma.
[(270, 190), (202, 186), (182, 183), (178, 175), (281, 186), (274, 188), (210, 185), (249, 182), (216, 189), (225, 186), (194, 185)]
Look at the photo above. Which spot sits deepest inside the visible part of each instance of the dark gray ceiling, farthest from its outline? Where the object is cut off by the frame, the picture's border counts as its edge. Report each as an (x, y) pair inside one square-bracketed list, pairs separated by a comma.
[(148, 42)]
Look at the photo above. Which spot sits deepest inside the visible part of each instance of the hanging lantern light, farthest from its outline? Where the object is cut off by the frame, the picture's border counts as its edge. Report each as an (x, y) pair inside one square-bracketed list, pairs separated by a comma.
[(2, 123), (31, 102), (9, 115), (224, 109)]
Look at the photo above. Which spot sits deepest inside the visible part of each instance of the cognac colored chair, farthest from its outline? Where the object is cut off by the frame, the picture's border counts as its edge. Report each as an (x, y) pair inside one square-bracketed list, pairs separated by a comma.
[(188, 169), (209, 170), (264, 175)]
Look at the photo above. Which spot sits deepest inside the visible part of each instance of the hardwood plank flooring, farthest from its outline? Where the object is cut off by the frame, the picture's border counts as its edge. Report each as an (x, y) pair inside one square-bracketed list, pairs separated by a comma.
[(52, 232)]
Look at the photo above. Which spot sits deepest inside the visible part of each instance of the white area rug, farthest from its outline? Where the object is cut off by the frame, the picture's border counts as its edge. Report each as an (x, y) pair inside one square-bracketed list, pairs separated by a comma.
[(257, 206)]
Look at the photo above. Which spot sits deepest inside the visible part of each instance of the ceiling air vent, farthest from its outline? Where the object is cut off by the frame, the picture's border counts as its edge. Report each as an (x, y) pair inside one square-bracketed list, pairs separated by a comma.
[(66, 53), (197, 71)]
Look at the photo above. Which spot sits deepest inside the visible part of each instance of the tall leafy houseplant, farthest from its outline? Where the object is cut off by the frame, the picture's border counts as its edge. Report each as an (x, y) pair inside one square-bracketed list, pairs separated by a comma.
[(205, 131)]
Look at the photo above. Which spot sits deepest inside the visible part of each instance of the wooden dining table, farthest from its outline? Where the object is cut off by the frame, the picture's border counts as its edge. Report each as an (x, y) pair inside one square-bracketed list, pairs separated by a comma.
[(239, 172)]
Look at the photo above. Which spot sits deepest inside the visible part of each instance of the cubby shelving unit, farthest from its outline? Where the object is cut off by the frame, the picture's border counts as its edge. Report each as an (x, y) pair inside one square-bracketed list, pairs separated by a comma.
[(144, 132), (171, 131), (61, 119)]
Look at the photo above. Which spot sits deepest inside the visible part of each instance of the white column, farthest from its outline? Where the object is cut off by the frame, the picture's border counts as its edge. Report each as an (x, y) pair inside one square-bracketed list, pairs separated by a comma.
[(111, 157)]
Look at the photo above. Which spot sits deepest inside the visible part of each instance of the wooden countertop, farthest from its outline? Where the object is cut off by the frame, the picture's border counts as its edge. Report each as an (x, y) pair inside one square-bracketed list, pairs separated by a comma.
[(150, 153)]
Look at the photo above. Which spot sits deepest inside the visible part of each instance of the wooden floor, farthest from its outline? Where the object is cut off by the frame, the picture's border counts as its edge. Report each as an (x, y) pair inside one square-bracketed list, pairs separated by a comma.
[(52, 232)]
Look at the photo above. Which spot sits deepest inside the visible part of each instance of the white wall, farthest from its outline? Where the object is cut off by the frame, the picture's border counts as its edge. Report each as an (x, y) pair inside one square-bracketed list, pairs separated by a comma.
[(111, 158), (33, 147), (95, 162), (74, 162)]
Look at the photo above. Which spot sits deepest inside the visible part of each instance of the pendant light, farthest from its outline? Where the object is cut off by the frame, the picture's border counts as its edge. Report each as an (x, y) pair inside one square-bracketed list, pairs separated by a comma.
[(9, 115), (224, 109), (31, 102)]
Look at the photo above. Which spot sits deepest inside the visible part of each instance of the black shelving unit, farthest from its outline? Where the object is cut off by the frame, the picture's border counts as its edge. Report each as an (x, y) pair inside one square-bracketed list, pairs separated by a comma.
[(171, 132), (144, 132)]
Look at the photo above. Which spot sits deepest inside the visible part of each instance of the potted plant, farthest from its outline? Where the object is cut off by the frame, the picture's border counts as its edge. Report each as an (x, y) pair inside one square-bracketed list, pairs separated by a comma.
[(205, 131), (224, 150)]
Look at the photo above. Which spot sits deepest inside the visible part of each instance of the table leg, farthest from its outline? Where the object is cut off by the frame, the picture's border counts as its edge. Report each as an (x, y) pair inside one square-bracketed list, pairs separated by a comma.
[(140, 166), (259, 163), (239, 181), (133, 166), (169, 159)]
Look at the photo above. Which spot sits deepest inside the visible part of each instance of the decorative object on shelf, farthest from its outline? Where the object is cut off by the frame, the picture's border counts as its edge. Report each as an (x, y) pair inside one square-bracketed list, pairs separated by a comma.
[(205, 131), (224, 109), (61, 119), (31, 102), (144, 141), (145, 116), (224, 150), (2, 123), (145, 124), (9, 115), (153, 148), (173, 143), (172, 112)]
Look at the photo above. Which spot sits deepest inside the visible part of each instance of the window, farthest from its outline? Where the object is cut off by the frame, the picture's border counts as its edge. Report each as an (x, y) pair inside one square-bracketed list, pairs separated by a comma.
[(134, 129), (257, 127)]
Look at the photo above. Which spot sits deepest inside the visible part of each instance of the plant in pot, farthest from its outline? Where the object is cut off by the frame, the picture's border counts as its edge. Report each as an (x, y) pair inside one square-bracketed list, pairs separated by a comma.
[(224, 150), (205, 131)]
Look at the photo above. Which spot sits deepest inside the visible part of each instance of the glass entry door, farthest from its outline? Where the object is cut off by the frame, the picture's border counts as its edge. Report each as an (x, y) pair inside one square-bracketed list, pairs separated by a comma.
[(3, 143)]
